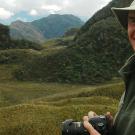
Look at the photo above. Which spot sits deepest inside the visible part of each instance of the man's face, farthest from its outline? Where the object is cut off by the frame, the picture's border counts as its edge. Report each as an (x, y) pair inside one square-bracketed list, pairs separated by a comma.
[(131, 28)]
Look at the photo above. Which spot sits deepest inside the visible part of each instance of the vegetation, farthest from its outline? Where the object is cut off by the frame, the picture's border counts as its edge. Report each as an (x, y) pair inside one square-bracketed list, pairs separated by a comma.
[(16, 56), (71, 32), (92, 61)]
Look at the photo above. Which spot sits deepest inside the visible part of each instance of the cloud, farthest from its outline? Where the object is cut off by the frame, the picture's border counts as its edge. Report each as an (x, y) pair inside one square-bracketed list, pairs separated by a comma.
[(51, 7), (33, 12), (83, 8), (41, 8), (103, 3), (10, 3), (106, 1), (5, 14), (21, 19), (66, 3)]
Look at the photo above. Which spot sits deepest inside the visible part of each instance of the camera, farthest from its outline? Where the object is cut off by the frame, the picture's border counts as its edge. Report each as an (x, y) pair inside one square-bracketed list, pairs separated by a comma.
[(71, 127)]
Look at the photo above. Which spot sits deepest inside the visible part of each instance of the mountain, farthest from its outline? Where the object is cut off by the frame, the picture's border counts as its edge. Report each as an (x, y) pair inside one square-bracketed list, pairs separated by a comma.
[(102, 14), (95, 55), (7, 43), (23, 30), (56, 25), (48, 27)]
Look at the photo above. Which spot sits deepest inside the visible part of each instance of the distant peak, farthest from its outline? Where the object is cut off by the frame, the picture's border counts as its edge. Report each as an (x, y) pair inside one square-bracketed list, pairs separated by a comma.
[(18, 22)]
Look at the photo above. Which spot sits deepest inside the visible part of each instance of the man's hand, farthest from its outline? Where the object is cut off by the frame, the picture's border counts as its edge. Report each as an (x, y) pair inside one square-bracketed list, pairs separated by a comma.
[(90, 128)]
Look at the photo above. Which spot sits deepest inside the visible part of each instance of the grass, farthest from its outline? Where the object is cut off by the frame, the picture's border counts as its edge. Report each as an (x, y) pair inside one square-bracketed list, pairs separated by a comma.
[(81, 101), (37, 108), (42, 119), (50, 47)]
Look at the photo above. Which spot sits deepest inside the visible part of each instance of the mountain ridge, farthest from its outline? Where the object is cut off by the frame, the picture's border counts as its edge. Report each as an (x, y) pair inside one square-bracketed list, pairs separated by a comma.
[(28, 32), (70, 22), (52, 26)]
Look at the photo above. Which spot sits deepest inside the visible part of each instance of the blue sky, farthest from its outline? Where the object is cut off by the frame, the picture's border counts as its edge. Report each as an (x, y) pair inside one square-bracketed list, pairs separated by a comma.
[(28, 10)]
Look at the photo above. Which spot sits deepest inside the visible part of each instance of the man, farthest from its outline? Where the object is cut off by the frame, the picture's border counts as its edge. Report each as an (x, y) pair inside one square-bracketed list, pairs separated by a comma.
[(124, 123)]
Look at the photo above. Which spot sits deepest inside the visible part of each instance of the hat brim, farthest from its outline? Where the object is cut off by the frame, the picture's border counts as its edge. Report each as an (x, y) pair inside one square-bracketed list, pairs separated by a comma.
[(122, 14)]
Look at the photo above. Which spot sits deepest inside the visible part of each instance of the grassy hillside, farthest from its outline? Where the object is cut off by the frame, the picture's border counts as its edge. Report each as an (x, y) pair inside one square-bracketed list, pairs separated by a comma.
[(39, 108)]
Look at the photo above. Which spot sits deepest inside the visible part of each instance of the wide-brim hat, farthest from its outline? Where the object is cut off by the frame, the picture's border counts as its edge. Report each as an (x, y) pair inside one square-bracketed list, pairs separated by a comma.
[(122, 14)]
